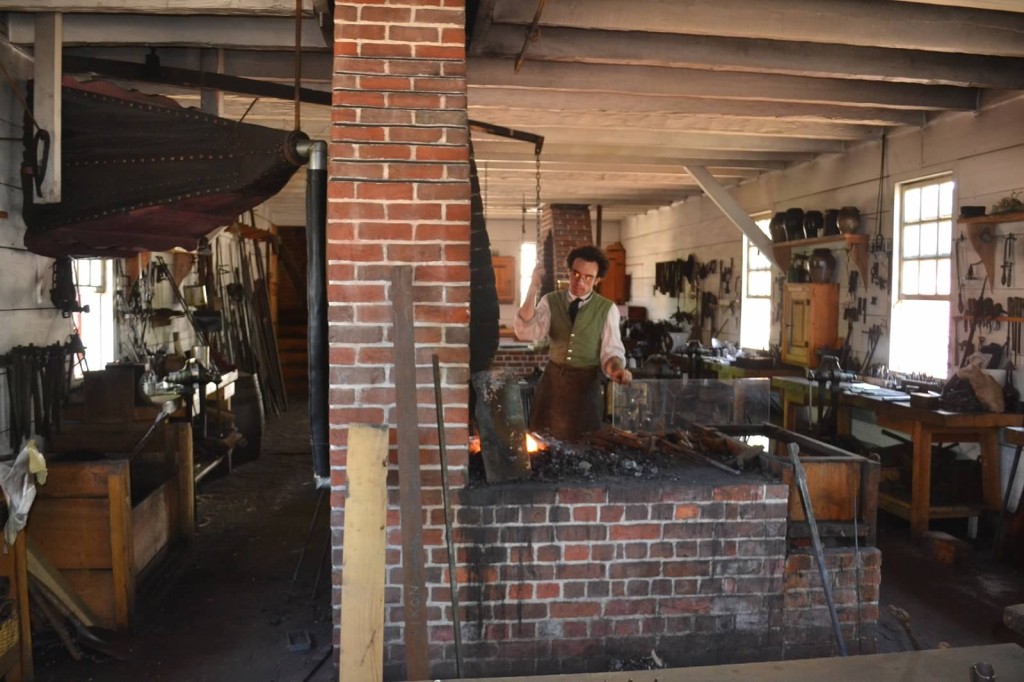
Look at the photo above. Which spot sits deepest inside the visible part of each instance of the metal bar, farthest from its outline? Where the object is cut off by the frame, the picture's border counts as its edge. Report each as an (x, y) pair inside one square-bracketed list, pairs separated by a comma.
[(453, 583), (819, 554), (417, 652), (532, 34), (191, 78), (511, 133)]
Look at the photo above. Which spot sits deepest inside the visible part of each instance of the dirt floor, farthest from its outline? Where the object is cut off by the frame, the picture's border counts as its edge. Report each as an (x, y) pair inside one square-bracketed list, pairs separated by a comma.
[(227, 609)]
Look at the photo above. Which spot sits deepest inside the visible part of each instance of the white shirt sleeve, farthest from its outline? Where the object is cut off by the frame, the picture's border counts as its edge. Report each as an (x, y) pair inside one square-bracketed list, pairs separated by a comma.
[(611, 339), (537, 328)]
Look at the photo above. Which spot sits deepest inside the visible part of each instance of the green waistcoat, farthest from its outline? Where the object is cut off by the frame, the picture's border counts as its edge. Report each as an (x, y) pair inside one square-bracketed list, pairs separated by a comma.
[(577, 345)]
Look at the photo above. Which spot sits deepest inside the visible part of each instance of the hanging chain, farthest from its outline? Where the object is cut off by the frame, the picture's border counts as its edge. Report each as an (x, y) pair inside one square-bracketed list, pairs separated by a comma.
[(483, 199), (536, 156), (522, 238)]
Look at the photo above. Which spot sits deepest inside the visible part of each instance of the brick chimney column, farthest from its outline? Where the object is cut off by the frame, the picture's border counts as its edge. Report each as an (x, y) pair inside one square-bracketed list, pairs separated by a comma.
[(570, 226), (398, 193)]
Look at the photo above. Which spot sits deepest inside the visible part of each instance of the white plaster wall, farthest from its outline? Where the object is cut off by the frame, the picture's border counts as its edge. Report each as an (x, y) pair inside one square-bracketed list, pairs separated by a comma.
[(506, 236), (984, 150), (26, 279)]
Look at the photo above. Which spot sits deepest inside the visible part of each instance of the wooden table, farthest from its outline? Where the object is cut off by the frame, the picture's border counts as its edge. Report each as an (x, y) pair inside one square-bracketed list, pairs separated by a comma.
[(727, 370), (935, 426), (797, 392), (933, 665)]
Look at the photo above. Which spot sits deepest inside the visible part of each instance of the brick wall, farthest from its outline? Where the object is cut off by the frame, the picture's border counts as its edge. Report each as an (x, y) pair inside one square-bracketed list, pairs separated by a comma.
[(564, 579), (570, 225), (522, 362), (398, 194)]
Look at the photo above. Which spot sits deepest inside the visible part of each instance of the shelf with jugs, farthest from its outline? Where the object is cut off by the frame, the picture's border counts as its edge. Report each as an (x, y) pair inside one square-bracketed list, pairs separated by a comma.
[(799, 230)]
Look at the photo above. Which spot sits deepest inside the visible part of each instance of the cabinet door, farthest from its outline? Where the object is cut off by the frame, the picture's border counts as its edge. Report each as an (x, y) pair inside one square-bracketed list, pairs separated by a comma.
[(505, 278), (796, 325), (810, 321)]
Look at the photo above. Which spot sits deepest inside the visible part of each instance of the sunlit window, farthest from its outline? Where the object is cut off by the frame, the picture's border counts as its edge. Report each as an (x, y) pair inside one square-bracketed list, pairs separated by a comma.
[(756, 305), (96, 327), (922, 277), (527, 262)]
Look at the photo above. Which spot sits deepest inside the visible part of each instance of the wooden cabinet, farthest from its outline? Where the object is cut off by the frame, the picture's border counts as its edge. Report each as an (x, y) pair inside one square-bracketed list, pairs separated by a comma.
[(810, 319), (613, 284), (505, 278)]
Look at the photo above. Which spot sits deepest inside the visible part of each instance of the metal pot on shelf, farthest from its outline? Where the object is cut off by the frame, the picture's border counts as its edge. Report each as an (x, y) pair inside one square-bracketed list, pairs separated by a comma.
[(794, 223), (831, 222), (814, 221), (848, 219), (821, 266), (777, 227)]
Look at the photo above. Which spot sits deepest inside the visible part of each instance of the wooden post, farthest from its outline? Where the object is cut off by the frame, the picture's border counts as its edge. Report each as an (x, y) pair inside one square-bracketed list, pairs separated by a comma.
[(363, 566), (185, 467), (119, 496), (417, 653)]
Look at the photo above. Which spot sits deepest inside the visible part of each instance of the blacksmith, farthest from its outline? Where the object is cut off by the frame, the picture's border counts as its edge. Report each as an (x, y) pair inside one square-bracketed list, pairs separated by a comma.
[(583, 331)]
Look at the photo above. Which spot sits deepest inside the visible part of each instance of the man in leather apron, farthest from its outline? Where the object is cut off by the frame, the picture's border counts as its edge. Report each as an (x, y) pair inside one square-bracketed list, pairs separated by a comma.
[(583, 330)]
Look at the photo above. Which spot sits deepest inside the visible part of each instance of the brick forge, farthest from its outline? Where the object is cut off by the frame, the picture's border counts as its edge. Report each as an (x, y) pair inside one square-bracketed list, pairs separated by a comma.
[(551, 579), (557, 579)]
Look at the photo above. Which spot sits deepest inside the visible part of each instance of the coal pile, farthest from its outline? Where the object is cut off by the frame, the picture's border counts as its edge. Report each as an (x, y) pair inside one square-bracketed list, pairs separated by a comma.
[(563, 462)]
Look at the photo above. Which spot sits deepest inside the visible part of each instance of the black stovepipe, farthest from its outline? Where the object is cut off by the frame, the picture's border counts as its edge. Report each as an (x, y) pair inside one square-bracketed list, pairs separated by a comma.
[(316, 306)]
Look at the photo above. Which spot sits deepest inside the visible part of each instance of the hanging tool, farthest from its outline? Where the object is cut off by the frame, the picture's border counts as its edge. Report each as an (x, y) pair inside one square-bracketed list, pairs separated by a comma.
[(874, 334), (959, 278), (1006, 279)]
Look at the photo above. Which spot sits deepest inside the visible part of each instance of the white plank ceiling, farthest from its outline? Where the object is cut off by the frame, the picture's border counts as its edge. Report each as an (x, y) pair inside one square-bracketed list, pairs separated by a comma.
[(625, 94)]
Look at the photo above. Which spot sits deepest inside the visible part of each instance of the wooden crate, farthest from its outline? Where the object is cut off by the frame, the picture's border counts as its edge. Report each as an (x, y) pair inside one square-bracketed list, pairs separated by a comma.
[(843, 486), (103, 521)]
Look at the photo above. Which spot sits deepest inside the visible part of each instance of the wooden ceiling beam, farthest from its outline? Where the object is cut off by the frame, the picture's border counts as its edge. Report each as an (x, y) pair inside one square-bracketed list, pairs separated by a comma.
[(997, 5), (757, 56), (904, 25), (281, 8), (765, 160), (483, 99), (683, 123), (652, 80), (238, 32)]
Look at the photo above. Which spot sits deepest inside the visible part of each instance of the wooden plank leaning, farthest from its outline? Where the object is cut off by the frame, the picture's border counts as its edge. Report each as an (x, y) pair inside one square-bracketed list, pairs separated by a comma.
[(414, 594), (361, 657)]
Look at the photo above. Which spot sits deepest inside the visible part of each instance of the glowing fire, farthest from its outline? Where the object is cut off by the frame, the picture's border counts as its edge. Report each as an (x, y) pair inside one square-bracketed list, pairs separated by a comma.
[(534, 444)]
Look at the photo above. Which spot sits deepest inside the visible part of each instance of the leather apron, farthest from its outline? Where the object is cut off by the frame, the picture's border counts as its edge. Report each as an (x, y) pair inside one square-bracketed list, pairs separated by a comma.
[(568, 402)]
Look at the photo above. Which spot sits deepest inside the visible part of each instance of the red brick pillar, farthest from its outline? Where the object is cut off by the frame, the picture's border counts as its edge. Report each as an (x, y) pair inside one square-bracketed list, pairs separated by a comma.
[(570, 225), (398, 193)]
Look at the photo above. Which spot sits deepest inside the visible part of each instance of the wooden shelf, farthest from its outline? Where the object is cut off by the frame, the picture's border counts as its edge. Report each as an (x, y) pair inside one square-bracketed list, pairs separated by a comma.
[(982, 235), (993, 218), (856, 249), (1001, 318)]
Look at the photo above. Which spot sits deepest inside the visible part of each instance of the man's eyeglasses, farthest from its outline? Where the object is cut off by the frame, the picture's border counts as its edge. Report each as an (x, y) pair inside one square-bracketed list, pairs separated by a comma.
[(576, 275)]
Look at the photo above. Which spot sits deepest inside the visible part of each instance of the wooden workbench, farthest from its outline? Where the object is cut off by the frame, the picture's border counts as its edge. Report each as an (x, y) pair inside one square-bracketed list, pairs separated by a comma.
[(934, 665), (926, 427), (797, 392)]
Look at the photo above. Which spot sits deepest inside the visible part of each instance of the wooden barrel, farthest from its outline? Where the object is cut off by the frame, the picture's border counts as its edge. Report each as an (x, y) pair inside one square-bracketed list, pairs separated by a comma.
[(247, 405)]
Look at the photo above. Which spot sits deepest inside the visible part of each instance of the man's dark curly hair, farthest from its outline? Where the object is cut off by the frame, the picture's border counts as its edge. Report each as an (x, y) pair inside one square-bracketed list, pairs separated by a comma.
[(591, 254)]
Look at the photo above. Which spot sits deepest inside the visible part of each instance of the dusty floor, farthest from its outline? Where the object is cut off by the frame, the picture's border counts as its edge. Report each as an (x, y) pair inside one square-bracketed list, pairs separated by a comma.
[(227, 609)]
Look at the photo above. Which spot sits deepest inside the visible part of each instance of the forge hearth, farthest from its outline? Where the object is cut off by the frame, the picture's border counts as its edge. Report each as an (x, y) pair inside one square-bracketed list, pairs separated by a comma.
[(580, 573)]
